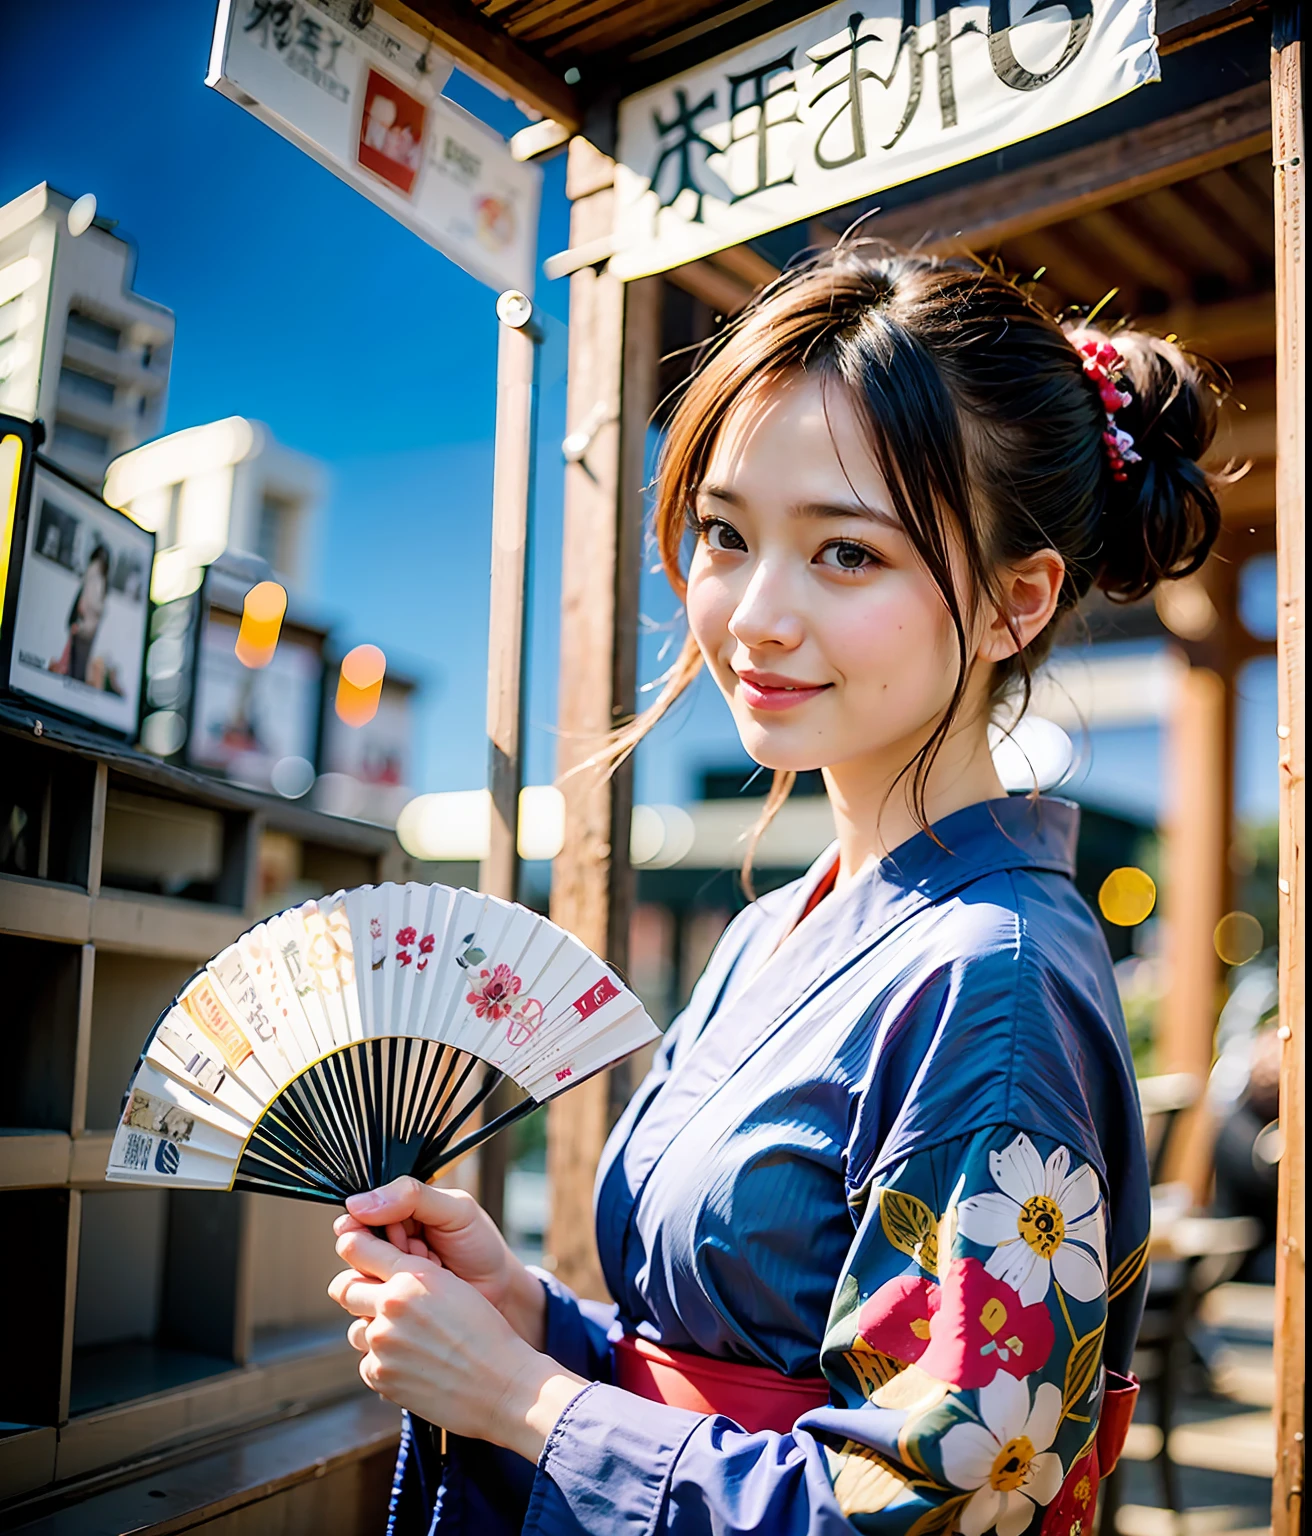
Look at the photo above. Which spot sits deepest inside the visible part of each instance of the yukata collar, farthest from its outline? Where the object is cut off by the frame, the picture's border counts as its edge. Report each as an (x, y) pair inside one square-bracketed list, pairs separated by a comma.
[(1018, 832)]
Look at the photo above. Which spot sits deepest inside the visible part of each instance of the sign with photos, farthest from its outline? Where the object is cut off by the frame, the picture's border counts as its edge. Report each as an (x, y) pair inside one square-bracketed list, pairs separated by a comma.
[(854, 99), (76, 601), (361, 93), (254, 724)]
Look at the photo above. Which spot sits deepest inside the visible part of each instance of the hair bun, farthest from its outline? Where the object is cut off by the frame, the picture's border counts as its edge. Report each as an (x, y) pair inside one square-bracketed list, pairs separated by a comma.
[(1162, 519)]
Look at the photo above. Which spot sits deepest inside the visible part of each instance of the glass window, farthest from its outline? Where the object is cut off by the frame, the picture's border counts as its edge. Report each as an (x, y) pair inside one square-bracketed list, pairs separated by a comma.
[(86, 385), (69, 436), (86, 328)]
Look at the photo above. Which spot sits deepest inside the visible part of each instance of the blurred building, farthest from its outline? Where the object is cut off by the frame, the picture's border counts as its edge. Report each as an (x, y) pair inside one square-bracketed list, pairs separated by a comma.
[(226, 485), (78, 348)]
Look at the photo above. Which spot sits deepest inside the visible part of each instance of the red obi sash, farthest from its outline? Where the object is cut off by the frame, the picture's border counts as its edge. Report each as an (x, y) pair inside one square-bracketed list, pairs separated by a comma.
[(751, 1395)]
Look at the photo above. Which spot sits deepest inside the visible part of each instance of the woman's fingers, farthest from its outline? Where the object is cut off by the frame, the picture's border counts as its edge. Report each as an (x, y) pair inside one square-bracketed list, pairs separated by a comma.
[(355, 1293), (357, 1335), (446, 1210), (377, 1258)]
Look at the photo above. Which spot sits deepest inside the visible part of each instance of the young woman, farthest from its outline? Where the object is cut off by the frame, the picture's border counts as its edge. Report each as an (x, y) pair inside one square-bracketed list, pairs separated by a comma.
[(876, 1222)]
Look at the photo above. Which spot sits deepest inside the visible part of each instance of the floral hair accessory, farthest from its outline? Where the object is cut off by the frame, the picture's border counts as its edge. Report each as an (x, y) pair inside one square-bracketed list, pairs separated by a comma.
[(1104, 365)]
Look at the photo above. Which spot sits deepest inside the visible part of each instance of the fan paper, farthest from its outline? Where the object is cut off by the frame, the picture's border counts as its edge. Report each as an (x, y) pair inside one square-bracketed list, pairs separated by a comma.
[(353, 1039)]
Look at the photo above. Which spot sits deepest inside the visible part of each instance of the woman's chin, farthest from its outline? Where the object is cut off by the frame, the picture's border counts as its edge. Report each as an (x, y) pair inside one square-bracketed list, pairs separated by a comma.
[(780, 749)]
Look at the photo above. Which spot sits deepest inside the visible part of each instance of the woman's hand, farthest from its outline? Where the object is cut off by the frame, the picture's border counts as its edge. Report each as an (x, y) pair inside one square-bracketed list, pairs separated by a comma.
[(435, 1345), (451, 1226)]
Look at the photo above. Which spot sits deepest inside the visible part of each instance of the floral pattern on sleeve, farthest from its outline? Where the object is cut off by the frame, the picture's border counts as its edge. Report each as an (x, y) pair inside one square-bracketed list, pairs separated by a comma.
[(970, 1321)]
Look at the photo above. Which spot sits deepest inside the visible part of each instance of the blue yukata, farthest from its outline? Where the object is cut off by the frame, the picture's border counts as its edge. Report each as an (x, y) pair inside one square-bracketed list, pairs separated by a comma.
[(897, 1145)]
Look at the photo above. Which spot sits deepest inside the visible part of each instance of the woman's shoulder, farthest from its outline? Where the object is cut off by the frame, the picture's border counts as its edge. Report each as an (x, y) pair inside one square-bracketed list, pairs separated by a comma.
[(1005, 1013)]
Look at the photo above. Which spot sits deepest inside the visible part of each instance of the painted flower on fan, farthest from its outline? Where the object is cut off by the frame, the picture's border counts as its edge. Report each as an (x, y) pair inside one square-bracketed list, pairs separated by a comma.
[(493, 995), (1043, 1223), (1005, 1462), (406, 936), (896, 1319), (981, 1326)]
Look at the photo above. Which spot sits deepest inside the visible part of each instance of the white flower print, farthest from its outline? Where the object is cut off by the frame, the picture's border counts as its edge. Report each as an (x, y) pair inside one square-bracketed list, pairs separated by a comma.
[(1005, 1460), (1047, 1222)]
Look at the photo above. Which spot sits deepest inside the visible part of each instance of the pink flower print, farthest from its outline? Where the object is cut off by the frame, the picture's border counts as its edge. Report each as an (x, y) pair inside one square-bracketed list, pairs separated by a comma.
[(982, 1326), (375, 928), (403, 957), (494, 996), (426, 944), (896, 1319), (406, 936)]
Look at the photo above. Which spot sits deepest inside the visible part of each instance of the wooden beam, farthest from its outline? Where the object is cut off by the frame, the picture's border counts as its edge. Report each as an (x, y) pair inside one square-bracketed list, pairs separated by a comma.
[(719, 290), (481, 47), (1290, 157), (1197, 845), (994, 209), (1230, 332), (613, 335)]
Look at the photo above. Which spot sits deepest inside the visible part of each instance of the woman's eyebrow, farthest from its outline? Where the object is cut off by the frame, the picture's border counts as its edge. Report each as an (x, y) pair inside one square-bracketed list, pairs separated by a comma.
[(859, 509)]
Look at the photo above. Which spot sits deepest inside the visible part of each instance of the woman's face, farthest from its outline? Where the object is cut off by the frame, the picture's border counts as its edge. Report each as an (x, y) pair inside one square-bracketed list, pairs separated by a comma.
[(819, 622)]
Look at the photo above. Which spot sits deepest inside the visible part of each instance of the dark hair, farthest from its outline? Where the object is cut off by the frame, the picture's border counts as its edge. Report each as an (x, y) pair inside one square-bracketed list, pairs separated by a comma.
[(978, 406)]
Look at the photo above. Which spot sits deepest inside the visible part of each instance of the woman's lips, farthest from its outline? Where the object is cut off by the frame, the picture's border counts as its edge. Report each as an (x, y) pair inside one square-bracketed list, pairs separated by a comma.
[(773, 693)]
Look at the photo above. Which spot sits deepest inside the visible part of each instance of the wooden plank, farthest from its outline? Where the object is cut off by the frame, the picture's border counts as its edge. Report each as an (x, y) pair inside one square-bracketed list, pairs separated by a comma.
[(27, 1461), (1290, 157), (1111, 171), (152, 1424), (1183, 22), (96, 831), (241, 1473), (154, 925), (82, 1043), (88, 1158), (1197, 843), (478, 45), (600, 564), (40, 909), (33, 1160), (719, 290), (1232, 331)]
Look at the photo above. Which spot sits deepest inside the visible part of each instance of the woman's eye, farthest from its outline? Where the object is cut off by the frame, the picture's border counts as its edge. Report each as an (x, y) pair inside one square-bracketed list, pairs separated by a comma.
[(719, 535), (844, 556)]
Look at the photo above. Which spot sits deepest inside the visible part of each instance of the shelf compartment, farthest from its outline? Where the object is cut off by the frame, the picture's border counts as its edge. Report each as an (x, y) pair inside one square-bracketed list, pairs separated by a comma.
[(41, 1018), (157, 1294), (33, 1384), (160, 845), (46, 801), (128, 993)]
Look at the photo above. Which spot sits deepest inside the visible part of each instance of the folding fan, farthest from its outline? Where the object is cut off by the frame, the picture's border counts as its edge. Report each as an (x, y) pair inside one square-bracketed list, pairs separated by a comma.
[(353, 1039)]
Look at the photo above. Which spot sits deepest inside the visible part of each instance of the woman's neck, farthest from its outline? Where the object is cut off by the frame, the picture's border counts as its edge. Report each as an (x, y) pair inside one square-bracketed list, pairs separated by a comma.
[(873, 811)]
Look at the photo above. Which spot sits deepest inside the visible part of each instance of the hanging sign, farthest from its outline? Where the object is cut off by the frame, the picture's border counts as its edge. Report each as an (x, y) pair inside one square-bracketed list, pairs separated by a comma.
[(850, 101), (361, 93)]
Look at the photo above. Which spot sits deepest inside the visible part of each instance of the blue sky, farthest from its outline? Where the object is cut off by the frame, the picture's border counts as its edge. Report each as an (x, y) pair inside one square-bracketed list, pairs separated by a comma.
[(302, 305)]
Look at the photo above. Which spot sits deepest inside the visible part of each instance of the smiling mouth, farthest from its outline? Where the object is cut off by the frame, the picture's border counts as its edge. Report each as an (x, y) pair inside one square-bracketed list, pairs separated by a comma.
[(767, 693)]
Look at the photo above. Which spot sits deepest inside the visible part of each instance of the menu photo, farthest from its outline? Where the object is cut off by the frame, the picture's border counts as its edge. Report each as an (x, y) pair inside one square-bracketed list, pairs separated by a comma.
[(80, 623)]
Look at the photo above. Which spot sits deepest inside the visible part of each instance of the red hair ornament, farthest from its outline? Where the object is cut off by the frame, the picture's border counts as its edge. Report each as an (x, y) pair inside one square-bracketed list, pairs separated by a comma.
[(1104, 365)]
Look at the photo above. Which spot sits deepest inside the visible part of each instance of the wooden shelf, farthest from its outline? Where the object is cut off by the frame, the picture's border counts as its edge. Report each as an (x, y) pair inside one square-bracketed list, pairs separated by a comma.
[(172, 1319)]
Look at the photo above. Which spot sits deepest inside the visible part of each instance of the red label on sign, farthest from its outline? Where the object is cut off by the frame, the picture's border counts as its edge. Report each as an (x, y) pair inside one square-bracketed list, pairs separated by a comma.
[(597, 997), (562, 1075)]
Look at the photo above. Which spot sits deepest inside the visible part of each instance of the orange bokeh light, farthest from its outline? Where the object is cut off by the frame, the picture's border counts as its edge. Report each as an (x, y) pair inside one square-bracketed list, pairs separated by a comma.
[(360, 685), (261, 622)]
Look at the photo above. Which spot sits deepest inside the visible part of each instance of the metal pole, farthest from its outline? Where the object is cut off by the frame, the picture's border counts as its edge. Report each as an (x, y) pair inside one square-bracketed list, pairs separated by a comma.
[(512, 496)]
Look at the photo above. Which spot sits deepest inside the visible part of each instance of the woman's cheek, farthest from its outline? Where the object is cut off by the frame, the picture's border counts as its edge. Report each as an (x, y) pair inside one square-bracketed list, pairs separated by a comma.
[(709, 605)]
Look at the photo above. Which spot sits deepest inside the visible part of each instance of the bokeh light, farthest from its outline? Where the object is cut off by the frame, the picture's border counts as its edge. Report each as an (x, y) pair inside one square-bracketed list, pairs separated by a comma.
[(261, 622), (1127, 896), (360, 685), (1238, 937)]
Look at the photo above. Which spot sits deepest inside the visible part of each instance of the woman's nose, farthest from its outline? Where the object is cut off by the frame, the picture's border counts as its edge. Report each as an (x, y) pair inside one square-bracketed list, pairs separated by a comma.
[(766, 614)]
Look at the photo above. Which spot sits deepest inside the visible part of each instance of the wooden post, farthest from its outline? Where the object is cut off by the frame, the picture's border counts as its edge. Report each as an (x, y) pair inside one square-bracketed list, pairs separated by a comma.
[(1289, 154), (512, 496), (1196, 854), (613, 336)]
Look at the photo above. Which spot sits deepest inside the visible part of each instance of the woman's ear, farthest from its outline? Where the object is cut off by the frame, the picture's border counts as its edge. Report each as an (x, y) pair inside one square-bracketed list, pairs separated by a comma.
[(1029, 590)]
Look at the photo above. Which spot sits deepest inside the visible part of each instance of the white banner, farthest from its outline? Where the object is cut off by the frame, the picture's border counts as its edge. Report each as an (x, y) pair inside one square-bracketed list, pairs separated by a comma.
[(848, 102), (366, 102)]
